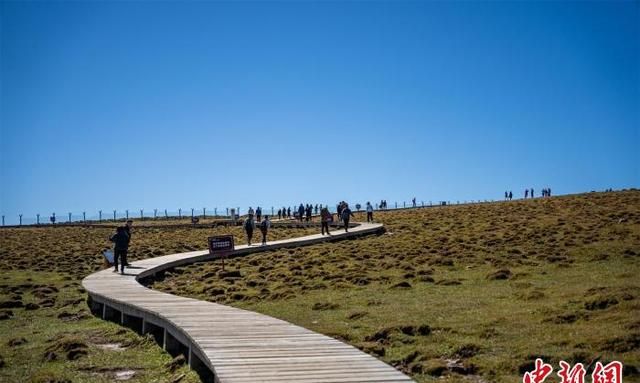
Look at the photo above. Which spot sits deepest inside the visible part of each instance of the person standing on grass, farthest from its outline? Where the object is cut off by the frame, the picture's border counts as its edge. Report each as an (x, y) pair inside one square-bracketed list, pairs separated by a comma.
[(325, 217), (265, 225), (346, 216), (249, 226), (121, 246)]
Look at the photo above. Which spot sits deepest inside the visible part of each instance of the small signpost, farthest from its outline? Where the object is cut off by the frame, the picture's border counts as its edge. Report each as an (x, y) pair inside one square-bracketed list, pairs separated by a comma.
[(221, 245)]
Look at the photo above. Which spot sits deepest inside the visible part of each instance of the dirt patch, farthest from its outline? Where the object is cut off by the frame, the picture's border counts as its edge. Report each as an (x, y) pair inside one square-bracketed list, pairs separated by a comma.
[(111, 346), (324, 306), (385, 335), (467, 351), (624, 343), (601, 303), (375, 349), (4, 315), (15, 342), (402, 285), (114, 373), (500, 275), (31, 306), (448, 282), (72, 347), (176, 363), (11, 304), (72, 317), (357, 315)]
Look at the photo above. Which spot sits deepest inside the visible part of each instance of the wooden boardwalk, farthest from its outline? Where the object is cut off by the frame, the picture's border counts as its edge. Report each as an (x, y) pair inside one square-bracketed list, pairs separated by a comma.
[(229, 345)]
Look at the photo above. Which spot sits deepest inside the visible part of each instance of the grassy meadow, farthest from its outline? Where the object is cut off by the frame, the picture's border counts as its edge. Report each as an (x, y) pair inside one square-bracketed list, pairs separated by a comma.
[(459, 293), (47, 334)]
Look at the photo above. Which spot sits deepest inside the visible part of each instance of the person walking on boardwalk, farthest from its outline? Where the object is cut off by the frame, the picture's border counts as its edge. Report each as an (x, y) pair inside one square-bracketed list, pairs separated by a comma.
[(301, 212), (249, 226), (414, 201), (279, 213), (510, 195), (526, 193), (289, 212), (121, 246), (325, 217), (531, 192), (250, 211), (265, 225), (506, 196), (258, 213), (369, 212), (346, 216)]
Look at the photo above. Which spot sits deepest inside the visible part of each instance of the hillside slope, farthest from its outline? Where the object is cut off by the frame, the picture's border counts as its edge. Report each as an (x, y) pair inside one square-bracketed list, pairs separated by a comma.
[(466, 292)]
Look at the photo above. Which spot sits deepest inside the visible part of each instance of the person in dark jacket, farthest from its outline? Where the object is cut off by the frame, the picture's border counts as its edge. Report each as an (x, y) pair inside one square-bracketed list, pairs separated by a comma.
[(265, 225), (121, 241), (249, 226), (346, 216), (325, 218)]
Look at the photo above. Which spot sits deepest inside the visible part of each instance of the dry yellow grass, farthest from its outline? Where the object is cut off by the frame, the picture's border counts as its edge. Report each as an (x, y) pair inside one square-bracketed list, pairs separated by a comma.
[(491, 286)]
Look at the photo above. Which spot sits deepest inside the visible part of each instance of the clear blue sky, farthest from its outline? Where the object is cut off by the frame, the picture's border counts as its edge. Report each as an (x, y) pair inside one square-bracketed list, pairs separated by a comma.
[(116, 105)]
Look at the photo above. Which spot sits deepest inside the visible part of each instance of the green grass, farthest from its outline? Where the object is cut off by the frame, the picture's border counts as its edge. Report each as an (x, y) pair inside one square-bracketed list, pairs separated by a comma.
[(63, 342), (45, 266), (571, 289)]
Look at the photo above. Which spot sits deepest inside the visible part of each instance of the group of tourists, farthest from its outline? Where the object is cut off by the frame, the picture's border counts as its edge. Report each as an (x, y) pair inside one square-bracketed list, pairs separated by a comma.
[(257, 212), (255, 219), (303, 213), (528, 193), (249, 226)]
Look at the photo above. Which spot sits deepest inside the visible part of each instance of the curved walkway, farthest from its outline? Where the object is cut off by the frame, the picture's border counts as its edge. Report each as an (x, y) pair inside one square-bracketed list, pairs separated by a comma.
[(229, 345)]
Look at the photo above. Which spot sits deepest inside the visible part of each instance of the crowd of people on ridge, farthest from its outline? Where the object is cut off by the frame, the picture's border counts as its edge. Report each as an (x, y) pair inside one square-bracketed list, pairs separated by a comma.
[(303, 213), (528, 193)]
